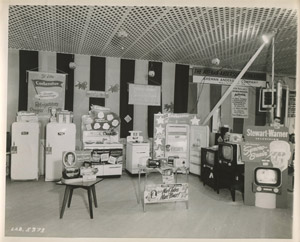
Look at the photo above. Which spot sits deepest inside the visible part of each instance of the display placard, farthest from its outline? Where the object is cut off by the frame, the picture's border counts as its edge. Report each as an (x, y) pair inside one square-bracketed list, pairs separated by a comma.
[(239, 102), (45, 90), (292, 104), (144, 95), (97, 94), (157, 193), (265, 133)]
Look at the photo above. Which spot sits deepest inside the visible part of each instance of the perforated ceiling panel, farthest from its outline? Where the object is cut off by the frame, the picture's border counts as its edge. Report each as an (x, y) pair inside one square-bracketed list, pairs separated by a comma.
[(187, 35)]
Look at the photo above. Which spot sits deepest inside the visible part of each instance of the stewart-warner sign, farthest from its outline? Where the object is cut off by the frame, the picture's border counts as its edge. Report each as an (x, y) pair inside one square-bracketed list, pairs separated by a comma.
[(45, 90), (265, 134), (227, 77)]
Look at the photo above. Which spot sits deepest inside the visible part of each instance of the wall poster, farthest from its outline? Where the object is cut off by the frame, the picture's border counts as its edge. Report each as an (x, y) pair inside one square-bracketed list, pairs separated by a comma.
[(45, 90), (144, 95), (239, 102)]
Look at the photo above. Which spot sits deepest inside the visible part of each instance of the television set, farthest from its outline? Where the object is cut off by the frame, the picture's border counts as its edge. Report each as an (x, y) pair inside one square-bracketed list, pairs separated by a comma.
[(267, 179), (230, 154), (209, 157)]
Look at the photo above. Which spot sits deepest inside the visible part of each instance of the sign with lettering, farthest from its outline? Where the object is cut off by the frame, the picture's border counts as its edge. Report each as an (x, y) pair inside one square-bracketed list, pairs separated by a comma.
[(239, 102), (277, 151), (265, 134), (227, 77), (144, 95), (156, 193), (45, 90), (252, 151), (292, 104), (96, 94)]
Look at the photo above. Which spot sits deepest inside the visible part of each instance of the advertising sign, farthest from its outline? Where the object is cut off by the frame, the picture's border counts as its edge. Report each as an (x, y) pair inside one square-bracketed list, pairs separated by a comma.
[(255, 151), (292, 104), (265, 134), (239, 102), (277, 151), (144, 95), (156, 193), (45, 90), (227, 77)]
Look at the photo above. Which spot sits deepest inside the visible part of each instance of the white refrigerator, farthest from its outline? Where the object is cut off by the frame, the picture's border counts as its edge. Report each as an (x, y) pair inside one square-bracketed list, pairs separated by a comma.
[(24, 150), (60, 137), (199, 138)]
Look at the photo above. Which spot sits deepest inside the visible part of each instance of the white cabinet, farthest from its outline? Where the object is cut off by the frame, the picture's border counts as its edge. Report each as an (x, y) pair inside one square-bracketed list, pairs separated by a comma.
[(110, 159), (136, 153)]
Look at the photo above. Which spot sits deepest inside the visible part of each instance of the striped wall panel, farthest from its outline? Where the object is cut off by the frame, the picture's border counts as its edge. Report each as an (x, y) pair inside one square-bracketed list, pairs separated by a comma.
[(168, 83), (81, 85), (97, 79), (140, 121), (250, 121), (28, 60), (203, 104), (181, 88), (127, 70), (47, 61), (260, 117), (226, 118), (62, 66), (215, 95), (12, 86), (156, 80), (113, 79)]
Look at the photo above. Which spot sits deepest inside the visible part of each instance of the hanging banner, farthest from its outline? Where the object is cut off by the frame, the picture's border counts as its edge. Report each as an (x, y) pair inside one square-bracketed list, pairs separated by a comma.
[(144, 95), (239, 102), (227, 77), (45, 90)]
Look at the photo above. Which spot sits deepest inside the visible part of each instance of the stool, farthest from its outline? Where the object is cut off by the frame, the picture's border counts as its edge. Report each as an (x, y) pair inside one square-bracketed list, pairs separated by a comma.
[(89, 186)]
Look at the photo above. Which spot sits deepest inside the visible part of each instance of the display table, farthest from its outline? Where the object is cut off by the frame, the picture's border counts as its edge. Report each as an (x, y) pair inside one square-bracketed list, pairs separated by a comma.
[(165, 192), (89, 186)]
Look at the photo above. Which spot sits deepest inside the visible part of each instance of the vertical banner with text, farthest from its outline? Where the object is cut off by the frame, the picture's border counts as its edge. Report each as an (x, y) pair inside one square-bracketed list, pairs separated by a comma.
[(239, 102), (45, 90)]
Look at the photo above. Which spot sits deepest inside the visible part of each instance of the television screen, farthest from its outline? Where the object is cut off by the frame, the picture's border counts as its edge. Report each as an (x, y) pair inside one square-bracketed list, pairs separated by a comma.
[(227, 152), (267, 176), (210, 158)]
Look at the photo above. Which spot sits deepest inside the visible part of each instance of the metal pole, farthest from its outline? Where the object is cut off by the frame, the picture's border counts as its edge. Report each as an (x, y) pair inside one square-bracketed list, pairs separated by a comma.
[(272, 85), (235, 82)]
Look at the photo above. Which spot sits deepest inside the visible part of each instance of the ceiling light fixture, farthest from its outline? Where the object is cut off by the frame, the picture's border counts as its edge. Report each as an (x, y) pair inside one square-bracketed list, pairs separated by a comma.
[(122, 34), (267, 37)]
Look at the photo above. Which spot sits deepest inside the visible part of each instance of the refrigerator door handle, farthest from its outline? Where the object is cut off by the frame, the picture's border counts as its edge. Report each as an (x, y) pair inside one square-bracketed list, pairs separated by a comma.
[(14, 149), (48, 150)]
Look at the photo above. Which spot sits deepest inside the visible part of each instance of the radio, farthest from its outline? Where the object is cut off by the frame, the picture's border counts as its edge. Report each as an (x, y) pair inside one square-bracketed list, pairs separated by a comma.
[(153, 163)]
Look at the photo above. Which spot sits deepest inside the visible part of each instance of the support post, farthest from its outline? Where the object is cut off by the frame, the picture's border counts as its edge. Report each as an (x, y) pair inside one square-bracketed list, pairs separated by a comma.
[(235, 82)]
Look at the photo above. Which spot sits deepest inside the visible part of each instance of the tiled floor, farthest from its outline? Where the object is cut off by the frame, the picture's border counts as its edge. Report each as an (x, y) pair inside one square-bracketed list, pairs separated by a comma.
[(36, 204)]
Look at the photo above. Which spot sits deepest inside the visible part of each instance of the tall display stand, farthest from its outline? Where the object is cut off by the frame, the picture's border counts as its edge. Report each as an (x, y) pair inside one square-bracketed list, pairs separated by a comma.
[(180, 136), (266, 154), (99, 136)]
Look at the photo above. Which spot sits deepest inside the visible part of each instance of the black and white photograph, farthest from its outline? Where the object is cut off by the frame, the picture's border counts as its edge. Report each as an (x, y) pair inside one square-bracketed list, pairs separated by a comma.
[(149, 120)]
